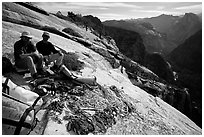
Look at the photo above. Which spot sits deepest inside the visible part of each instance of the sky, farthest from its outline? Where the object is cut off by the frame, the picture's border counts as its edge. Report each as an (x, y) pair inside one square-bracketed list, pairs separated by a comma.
[(122, 10)]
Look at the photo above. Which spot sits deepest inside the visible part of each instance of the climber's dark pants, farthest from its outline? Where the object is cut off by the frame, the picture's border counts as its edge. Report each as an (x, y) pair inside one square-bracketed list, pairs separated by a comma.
[(31, 62)]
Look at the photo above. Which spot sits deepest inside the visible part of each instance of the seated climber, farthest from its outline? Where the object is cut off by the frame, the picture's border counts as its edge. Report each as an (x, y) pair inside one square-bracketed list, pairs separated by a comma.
[(50, 54), (27, 57), (47, 49)]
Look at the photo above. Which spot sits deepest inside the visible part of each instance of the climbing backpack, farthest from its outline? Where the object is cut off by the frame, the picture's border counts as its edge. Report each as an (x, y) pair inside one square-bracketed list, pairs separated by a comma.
[(18, 117), (7, 66)]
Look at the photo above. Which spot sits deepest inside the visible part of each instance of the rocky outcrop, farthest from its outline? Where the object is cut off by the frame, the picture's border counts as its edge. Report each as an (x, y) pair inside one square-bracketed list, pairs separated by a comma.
[(154, 85), (93, 22), (124, 38)]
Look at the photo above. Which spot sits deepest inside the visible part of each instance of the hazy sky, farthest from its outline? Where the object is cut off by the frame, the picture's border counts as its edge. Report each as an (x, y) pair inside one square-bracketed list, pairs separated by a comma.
[(122, 10)]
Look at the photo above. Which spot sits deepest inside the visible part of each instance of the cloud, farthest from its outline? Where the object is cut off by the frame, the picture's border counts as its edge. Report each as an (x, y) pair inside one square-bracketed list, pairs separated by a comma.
[(105, 4), (190, 7), (156, 12), (84, 6), (122, 10), (160, 7), (112, 16), (109, 16), (89, 7), (136, 5)]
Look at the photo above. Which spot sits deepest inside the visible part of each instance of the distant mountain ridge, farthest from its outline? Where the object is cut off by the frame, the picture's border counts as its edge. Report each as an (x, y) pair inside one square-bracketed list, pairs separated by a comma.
[(153, 40), (177, 28), (162, 33), (162, 23)]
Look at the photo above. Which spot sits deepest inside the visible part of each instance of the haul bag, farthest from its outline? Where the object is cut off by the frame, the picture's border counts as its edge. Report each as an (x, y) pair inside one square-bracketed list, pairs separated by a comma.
[(20, 93), (17, 117)]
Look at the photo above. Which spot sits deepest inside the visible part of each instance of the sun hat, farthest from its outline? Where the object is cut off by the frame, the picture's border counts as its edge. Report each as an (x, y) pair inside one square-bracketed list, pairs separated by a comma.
[(26, 34), (46, 34)]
